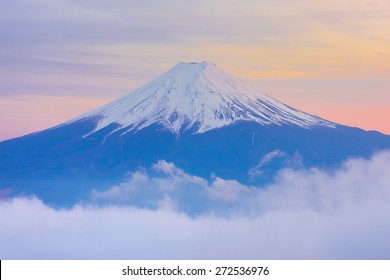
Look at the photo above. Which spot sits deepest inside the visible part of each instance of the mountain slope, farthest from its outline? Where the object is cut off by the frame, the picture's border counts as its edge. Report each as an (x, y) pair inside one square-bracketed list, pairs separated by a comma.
[(195, 116), (199, 96)]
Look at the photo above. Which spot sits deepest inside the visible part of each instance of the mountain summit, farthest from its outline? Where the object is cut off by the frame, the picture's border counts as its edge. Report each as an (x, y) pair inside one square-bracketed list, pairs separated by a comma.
[(195, 116), (197, 96)]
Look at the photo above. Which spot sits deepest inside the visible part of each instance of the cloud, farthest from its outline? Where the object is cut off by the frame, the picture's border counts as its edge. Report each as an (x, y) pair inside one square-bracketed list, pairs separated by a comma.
[(304, 214), (5, 193), (67, 21), (148, 190), (274, 160)]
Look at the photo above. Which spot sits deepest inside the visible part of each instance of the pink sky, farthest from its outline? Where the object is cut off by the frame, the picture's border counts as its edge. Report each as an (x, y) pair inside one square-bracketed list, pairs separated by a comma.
[(60, 59)]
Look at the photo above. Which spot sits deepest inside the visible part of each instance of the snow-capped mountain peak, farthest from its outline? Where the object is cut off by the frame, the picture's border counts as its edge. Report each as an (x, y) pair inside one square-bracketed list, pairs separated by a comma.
[(201, 96)]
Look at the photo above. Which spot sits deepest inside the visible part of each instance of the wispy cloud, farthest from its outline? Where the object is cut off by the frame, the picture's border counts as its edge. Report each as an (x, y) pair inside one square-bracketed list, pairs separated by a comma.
[(107, 48), (306, 214)]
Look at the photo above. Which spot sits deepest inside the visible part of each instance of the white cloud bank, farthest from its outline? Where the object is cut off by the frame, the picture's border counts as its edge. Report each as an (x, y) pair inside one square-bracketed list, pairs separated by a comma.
[(306, 214)]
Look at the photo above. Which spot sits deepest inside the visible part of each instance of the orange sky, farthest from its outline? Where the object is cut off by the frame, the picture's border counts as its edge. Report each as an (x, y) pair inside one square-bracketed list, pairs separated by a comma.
[(60, 59)]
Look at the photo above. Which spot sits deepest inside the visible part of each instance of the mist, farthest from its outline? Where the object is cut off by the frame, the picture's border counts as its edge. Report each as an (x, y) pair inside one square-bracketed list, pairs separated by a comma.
[(167, 213)]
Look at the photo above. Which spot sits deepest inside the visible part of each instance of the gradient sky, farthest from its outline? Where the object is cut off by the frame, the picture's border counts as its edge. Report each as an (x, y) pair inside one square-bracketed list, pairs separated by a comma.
[(61, 58)]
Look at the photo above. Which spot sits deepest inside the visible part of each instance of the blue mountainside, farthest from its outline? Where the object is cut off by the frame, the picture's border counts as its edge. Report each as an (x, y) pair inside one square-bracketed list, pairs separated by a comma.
[(196, 116)]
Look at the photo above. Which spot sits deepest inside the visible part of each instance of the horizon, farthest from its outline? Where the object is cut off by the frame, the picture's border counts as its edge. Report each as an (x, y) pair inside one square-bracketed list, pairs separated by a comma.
[(98, 105)]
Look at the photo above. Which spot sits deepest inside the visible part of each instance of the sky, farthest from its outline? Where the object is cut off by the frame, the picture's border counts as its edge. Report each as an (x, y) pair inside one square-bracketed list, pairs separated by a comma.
[(304, 214), (59, 59)]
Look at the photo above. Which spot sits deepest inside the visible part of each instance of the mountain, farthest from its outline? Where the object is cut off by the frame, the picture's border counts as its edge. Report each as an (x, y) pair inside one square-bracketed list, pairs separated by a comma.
[(196, 116), (197, 96)]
